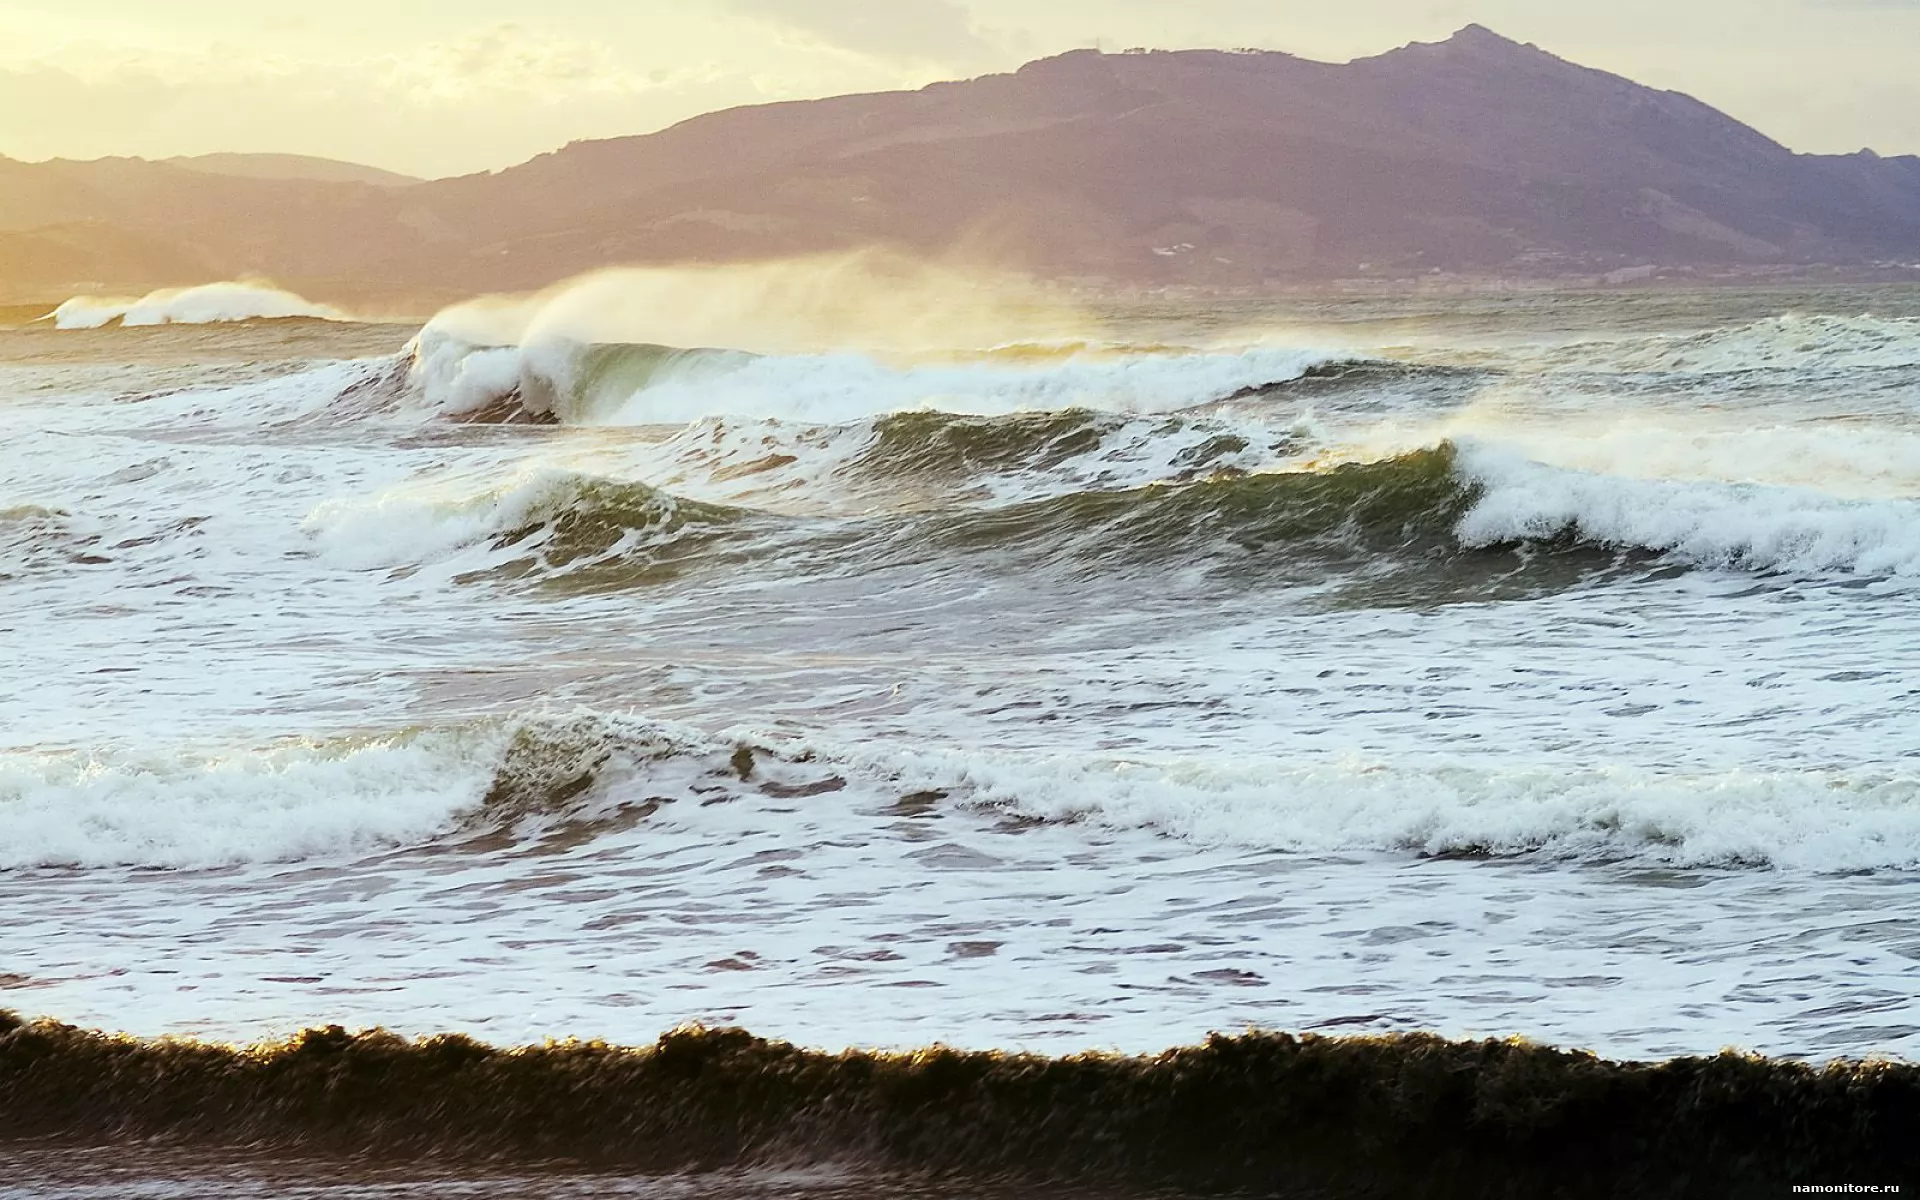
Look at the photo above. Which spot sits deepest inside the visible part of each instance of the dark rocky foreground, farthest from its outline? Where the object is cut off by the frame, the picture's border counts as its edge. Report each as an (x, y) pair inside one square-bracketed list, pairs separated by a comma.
[(1261, 1113)]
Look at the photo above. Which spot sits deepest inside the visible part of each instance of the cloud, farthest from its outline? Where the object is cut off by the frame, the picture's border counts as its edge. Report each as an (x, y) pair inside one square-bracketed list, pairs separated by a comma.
[(452, 99), (508, 58), (930, 31), (468, 102)]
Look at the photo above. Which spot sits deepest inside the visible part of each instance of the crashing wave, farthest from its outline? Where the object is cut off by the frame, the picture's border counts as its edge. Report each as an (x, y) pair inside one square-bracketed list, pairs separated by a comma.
[(1704, 523), (1473, 514), (184, 809), (519, 780), (307, 799), (639, 384), (543, 521), (570, 779), (1823, 821), (209, 303)]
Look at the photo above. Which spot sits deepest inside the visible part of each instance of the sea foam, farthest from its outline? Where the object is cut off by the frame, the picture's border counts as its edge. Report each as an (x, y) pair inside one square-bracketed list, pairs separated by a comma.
[(187, 808), (1320, 805), (1712, 523), (305, 800)]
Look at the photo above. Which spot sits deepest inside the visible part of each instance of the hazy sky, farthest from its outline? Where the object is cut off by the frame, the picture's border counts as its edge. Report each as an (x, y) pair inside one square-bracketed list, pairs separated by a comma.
[(450, 86)]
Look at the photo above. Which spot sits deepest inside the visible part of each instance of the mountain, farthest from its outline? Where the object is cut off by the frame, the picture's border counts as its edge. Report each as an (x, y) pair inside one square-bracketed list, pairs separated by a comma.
[(1476, 154), (291, 166), (126, 224)]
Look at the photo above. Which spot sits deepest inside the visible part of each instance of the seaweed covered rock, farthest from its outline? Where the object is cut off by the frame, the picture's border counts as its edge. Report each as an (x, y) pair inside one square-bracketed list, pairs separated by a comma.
[(1267, 1113)]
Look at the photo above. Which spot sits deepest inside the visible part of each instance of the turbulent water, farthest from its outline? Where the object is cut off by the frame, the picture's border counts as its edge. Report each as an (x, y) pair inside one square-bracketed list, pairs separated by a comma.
[(1540, 667)]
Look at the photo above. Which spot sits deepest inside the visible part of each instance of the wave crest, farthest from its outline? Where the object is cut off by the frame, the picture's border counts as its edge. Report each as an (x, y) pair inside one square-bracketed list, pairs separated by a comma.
[(205, 809), (1823, 821), (546, 520), (1701, 522), (559, 781), (206, 304), (648, 384)]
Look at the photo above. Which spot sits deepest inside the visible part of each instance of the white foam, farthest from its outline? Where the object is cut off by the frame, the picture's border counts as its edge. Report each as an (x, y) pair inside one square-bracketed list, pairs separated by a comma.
[(438, 517), (840, 388), (205, 809), (301, 801), (1801, 819), (456, 377), (453, 376), (1710, 523), (1853, 459), (209, 303)]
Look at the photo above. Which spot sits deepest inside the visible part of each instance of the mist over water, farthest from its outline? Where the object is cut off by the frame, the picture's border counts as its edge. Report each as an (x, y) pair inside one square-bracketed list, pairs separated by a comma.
[(877, 656)]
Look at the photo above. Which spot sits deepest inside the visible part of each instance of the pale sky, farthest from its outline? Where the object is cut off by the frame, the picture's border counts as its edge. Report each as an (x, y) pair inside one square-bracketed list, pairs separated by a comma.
[(439, 88)]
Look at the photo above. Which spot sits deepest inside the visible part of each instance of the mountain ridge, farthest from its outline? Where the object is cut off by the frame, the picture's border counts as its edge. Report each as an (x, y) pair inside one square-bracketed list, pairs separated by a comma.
[(291, 166), (1476, 154)]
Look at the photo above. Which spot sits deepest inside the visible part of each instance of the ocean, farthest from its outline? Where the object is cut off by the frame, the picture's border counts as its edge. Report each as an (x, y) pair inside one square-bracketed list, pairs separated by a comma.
[(1538, 666)]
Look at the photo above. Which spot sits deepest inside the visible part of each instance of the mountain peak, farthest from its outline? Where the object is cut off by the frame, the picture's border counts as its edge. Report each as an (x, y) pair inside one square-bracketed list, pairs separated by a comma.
[(1471, 42), (1479, 35)]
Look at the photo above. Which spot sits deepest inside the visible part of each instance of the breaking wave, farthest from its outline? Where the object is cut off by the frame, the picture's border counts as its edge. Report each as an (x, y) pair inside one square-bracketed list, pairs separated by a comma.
[(602, 532), (1703, 523), (624, 384), (1468, 497), (299, 800), (1215, 503), (583, 776), (209, 303), (1810, 820), (185, 809), (547, 519), (1290, 522)]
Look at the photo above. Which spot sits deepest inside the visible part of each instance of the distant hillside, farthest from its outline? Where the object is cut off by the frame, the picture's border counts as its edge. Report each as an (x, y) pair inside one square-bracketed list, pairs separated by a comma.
[(54, 261), (1476, 154), (291, 166)]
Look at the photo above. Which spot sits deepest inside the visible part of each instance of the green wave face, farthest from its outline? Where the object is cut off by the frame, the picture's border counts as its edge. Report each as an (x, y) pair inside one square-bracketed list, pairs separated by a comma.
[(1350, 375), (958, 447), (1379, 534), (1404, 505), (602, 534), (589, 379), (1382, 533)]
